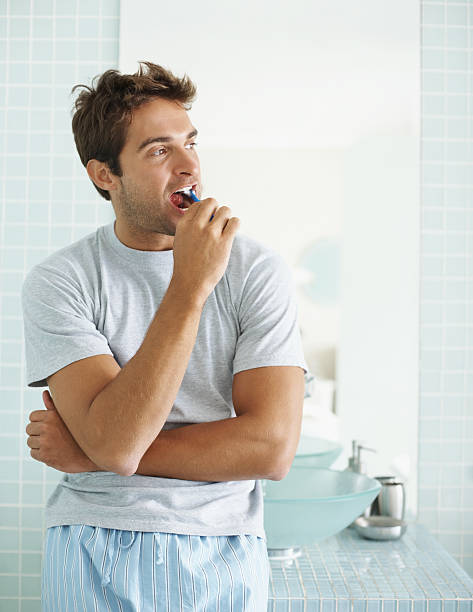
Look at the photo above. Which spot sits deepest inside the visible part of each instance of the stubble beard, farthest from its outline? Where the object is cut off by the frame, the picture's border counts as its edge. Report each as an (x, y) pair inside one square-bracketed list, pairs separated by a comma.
[(144, 212)]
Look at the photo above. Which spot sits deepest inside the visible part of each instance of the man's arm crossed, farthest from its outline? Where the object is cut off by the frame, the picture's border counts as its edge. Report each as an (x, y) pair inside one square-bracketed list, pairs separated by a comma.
[(260, 442)]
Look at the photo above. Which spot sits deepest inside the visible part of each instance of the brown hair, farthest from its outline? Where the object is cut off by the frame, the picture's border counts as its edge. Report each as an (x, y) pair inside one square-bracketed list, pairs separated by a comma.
[(103, 112)]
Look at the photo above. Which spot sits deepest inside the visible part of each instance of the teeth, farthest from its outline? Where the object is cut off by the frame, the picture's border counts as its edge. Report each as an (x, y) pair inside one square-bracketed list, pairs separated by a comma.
[(184, 190)]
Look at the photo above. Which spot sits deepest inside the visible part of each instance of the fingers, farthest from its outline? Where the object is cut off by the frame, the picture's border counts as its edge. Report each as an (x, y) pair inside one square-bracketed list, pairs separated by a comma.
[(35, 454), (203, 210), (48, 400), (38, 415), (232, 226), (208, 209), (223, 212), (33, 442), (34, 429), (221, 216)]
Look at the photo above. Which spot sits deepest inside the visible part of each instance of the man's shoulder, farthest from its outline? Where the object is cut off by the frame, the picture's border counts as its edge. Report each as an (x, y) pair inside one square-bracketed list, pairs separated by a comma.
[(69, 261), (248, 252)]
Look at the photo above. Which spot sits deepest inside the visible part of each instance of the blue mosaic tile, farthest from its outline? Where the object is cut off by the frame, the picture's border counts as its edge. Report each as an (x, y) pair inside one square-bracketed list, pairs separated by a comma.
[(347, 573)]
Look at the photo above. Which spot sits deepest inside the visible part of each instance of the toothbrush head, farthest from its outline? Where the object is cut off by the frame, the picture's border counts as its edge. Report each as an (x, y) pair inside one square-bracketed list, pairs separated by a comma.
[(193, 196)]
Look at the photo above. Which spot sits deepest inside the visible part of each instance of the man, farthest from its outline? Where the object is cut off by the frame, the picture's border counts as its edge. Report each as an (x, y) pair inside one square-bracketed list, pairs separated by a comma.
[(171, 349)]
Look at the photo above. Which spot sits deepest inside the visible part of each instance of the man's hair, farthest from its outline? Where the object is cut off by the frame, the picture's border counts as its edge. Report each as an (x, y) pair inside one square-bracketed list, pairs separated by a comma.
[(103, 112)]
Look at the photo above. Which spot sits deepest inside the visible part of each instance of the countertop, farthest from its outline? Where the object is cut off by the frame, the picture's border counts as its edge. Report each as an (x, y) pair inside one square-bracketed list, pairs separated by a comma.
[(348, 573)]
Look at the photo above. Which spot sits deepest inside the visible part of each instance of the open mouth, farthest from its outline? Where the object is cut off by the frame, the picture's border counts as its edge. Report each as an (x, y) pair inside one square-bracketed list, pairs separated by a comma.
[(181, 198)]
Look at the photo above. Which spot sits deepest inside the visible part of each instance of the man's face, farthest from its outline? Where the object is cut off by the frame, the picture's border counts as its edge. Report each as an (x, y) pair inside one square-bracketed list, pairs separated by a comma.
[(158, 158)]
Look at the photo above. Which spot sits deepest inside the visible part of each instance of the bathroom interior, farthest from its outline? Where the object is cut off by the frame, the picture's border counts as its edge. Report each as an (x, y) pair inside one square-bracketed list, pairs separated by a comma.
[(341, 135)]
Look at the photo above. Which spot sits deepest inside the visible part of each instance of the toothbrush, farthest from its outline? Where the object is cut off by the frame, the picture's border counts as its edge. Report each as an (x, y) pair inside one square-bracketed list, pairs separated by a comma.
[(194, 198)]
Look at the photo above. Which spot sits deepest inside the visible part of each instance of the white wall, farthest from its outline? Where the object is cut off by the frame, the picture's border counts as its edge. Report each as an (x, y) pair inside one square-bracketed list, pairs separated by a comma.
[(308, 117)]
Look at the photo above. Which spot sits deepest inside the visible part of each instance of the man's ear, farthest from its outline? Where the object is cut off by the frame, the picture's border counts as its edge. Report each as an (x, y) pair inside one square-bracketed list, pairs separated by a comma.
[(101, 175)]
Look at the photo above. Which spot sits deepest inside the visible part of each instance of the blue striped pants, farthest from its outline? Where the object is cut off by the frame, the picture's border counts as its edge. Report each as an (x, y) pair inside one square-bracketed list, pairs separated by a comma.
[(95, 569)]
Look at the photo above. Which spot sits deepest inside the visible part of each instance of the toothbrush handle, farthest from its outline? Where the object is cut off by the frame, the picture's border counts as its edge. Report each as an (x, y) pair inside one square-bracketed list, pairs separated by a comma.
[(196, 199)]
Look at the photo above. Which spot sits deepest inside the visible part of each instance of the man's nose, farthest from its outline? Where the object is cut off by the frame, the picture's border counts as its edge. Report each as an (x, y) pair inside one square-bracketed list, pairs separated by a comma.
[(187, 162)]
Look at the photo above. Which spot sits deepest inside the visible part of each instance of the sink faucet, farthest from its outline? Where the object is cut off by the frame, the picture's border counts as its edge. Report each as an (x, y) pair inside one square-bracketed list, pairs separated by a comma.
[(354, 462)]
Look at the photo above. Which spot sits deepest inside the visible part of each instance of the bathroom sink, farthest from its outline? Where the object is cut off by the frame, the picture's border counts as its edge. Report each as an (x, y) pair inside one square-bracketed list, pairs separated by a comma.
[(311, 504), (316, 452)]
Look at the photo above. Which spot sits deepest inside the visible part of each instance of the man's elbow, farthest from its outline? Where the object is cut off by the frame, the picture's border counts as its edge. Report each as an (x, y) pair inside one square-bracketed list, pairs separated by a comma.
[(280, 464), (124, 466), (279, 473)]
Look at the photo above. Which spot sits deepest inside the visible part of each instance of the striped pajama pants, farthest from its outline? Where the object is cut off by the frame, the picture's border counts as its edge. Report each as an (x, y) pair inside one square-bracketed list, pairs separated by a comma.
[(96, 569)]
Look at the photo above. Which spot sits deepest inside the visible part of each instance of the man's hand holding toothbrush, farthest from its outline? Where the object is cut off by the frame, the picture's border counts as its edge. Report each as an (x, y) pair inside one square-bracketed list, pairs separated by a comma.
[(202, 246)]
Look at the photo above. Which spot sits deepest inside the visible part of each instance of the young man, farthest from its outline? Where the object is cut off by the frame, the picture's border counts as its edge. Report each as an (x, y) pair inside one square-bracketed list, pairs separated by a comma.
[(172, 352)]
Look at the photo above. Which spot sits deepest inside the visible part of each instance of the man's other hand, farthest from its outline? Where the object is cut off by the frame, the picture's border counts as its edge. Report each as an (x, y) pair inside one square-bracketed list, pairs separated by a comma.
[(52, 443)]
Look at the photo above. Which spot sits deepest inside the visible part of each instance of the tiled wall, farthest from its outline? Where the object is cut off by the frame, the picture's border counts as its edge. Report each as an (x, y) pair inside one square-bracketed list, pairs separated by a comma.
[(46, 47), (446, 385)]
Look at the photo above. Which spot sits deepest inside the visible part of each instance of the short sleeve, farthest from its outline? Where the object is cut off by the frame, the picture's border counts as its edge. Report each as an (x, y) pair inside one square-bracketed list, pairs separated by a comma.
[(58, 324), (268, 318)]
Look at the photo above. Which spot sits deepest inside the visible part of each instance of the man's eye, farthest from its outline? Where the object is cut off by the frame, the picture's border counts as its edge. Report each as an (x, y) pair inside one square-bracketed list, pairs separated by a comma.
[(193, 144), (158, 150)]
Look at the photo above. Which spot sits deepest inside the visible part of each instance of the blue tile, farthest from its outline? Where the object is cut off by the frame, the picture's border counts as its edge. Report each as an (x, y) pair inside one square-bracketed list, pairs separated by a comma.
[(30, 586), (457, 105), (9, 586), (457, 37), (404, 605), (420, 605), (432, 59), (20, 7), (42, 49), (432, 15), (111, 8), (88, 27), (433, 36), (65, 50), (456, 128), (16, 166), (9, 542), (32, 540), (65, 28), (432, 81), (19, 49), (31, 563), (89, 7), (19, 27), (465, 606), (43, 7), (30, 605), (327, 605), (457, 15), (89, 50), (8, 518), (110, 28), (66, 8), (432, 104), (457, 60)]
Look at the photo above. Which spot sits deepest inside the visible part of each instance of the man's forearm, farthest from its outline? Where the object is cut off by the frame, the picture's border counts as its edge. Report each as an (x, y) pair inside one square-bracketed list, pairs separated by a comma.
[(230, 449), (130, 411)]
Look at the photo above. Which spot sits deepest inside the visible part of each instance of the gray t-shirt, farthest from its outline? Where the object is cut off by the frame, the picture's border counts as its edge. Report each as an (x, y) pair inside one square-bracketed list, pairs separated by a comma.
[(98, 296)]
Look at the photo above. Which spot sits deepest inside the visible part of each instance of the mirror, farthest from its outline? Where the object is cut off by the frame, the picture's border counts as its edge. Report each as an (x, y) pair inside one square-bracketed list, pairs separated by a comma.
[(309, 128)]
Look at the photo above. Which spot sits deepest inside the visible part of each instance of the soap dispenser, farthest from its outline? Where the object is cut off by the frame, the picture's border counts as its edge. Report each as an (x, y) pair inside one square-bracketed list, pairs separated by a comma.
[(355, 464)]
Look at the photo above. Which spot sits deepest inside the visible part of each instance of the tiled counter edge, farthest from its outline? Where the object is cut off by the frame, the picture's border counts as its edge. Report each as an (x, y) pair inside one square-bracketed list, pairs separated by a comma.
[(347, 573)]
